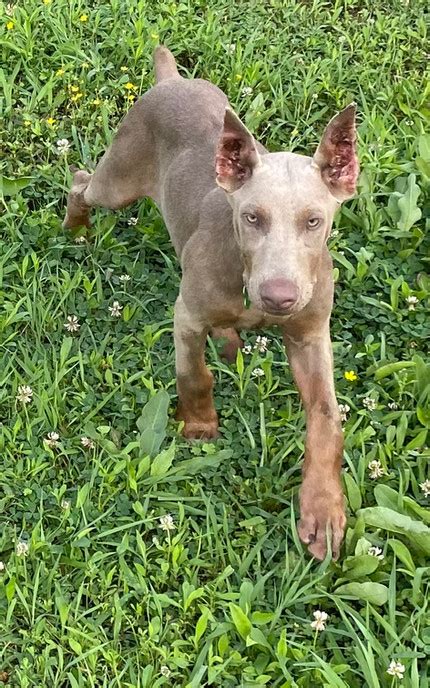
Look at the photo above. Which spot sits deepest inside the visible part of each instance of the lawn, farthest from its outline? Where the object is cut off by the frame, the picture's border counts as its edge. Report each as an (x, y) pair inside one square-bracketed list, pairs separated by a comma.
[(129, 557)]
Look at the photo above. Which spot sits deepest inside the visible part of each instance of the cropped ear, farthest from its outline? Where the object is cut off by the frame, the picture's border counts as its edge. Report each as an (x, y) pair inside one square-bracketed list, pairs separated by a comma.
[(336, 156), (236, 155)]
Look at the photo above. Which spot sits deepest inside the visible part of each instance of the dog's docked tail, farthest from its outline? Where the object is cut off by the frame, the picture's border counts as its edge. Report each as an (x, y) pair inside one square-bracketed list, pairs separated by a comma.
[(164, 64)]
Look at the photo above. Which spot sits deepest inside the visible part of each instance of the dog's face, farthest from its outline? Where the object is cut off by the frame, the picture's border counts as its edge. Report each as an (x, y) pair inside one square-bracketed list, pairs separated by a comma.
[(283, 207)]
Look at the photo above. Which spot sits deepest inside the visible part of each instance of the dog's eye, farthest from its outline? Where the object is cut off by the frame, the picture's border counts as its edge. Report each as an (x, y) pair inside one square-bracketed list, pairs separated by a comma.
[(251, 218), (314, 222)]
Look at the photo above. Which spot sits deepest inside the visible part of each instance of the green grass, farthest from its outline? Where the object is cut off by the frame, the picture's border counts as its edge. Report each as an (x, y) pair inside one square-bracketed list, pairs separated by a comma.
[(104, 597)]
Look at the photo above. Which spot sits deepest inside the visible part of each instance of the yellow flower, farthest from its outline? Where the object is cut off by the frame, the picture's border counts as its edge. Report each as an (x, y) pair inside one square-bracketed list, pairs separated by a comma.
[(76, 97), (350, 376), (97, 101), (83, 17), (131, 96), (51, 121), (74, 89), (124, 69), (129, 86), (238, 77), (59, 72), (27, 122), (85, 65), (47, 2), (154, 36), (10, 25)]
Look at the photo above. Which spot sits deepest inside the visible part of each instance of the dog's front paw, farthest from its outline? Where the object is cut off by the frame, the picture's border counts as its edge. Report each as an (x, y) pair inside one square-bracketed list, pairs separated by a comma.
[(198, 430), (322, 515), (198, 425)]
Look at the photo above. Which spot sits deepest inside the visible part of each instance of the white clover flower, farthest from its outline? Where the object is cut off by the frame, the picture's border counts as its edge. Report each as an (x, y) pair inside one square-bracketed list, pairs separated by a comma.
[(247, 91), (63, 146), (257, 372), (115, 309), (247, 349), (412, 302), (72, 323), (21, 548), (231, 48), (80, 239), (132, 221), (165, 671), (261, 344), (25, 394), (2, 566), (375, 469), (319, 620), (425, 487), (166, 522), (124, 278), (396, 669), (393, 406), (52, 439), (65, 504), (87, 443), (375, 552), (369, 403), (344, 409)]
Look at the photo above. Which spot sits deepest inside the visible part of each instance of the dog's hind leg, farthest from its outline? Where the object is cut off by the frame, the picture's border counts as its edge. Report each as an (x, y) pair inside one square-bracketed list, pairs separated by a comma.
[(78, 212), (128, 170), (231, 342), (124, 174)]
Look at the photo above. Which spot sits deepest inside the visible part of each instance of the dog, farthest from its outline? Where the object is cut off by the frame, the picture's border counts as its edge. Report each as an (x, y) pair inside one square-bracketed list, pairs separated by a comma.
[(239, 216)]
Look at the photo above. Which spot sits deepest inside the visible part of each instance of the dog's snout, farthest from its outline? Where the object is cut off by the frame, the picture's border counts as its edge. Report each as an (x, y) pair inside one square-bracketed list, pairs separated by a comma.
[(278, 295)]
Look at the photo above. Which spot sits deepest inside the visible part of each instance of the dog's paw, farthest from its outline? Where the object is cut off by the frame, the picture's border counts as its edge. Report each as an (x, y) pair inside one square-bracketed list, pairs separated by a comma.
[(200, 420), (198, 430), (77, 214), (322, 516), (76, 221)]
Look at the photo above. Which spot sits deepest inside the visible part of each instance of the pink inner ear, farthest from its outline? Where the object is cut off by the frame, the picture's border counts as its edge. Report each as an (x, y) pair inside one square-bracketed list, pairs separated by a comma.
[(343, 168), (228, 159)]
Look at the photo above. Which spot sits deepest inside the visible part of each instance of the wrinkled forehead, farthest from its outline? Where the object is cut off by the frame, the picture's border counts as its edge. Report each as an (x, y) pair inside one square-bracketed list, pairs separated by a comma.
[(286, 180)]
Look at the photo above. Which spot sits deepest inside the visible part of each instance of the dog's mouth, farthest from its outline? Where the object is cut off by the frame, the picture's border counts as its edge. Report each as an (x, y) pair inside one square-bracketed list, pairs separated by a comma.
[(272, 310)]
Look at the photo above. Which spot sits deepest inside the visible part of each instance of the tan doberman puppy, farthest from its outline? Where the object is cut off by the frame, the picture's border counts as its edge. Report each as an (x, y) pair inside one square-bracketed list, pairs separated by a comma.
[(238, 215)]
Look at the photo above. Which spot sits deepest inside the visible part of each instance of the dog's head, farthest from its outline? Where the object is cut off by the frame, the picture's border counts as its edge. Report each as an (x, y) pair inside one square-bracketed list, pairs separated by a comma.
[(283, 207)]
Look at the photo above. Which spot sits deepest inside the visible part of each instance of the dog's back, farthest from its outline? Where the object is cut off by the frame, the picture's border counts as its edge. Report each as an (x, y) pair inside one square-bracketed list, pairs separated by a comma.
[(184, 113), (180, 121)]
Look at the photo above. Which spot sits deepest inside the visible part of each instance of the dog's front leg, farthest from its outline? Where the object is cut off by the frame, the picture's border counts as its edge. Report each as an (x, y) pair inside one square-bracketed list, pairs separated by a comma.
[(321, 495), (193, 379)]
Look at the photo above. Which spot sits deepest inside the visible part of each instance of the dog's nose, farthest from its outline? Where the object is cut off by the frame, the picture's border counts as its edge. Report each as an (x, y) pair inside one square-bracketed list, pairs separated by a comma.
[(278, 294)]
